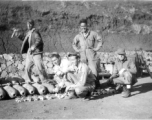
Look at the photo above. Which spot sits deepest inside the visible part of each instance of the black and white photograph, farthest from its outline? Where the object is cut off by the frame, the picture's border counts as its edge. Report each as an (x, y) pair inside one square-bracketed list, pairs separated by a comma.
[(76, 59)]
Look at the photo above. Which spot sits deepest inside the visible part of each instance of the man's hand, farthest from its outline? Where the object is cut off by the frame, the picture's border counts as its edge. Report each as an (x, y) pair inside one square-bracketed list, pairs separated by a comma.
[(30, 51), (72, 68), (61, 84), (122, 71), (58, 73), (15, 32)]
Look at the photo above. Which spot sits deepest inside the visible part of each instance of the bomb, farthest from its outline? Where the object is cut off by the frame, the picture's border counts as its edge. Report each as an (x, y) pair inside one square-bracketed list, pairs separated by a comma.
[(31, 90), (49, 87), (22, 91), (40, 88), (2, 93), (12, 93)]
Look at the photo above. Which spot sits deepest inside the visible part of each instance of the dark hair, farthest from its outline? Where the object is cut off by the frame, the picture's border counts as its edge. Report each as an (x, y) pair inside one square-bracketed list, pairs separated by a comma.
[(31, 22), (55, 55), (83, 21), (74, 54)]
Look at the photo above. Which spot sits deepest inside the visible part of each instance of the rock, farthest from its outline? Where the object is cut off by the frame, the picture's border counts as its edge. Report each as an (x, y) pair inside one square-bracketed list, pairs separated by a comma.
[(14, 69), (20, 67), (9, 63), (3, 66), (24, 56), (4, 74), (7, 56), (136, 28), (17, 63), (21, 73), (18, 57), (9, 69), (2, 60)]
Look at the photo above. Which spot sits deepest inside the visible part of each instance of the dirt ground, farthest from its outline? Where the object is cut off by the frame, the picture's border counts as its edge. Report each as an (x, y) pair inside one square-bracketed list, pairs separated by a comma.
[(138, 106)]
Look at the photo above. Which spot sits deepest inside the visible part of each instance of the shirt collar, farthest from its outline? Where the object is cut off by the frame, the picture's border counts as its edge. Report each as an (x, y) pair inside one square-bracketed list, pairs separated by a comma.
[(124, 60), (88, 33)]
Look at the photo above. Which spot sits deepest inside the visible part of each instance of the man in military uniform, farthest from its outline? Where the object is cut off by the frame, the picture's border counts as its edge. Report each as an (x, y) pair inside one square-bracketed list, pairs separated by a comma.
[(84, 44), (124, 72)]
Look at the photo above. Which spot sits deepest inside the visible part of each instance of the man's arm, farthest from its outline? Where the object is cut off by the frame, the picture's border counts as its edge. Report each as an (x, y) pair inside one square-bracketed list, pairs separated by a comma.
[(132, 67), (75, 44), (38, 40), (18, 33), (99, 40), (115, 72)]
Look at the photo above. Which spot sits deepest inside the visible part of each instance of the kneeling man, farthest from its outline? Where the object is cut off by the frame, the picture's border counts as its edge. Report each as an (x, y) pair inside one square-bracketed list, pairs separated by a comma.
[(124, 72), (79, 77)]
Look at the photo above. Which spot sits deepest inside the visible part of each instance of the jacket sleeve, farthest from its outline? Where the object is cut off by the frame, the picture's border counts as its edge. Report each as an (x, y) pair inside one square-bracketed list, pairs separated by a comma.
[(38, 39), (132, 67), (75, 44), (98, 38), (21, 35)]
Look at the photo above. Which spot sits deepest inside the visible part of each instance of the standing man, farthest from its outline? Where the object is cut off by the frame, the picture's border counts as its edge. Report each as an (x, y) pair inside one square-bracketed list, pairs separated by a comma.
[(124, 72), (33, 46), (84, 44)]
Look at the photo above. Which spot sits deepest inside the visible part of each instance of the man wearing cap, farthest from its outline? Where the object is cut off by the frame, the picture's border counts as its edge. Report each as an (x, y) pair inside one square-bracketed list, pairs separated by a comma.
[(33, 46), (124, 72), (84, 43), (79, 77)]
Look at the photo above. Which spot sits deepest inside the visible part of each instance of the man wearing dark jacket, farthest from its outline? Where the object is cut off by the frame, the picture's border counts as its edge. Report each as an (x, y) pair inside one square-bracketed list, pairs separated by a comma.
[(33, 46)]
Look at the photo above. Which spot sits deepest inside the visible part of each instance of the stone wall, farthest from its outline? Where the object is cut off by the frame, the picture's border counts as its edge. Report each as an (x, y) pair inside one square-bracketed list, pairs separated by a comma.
[(13, 65)]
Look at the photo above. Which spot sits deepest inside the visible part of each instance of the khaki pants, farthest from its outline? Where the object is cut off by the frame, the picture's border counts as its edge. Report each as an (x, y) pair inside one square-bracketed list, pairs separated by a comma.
[(37, 61), (81, 91), (90, 57)]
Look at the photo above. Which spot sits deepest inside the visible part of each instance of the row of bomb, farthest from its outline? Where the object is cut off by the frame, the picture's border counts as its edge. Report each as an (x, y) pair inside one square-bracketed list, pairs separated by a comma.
[(14, 90)]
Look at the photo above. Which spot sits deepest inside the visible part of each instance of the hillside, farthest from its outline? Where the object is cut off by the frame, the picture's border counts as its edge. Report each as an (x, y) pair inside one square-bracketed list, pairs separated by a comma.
[(122, 24)]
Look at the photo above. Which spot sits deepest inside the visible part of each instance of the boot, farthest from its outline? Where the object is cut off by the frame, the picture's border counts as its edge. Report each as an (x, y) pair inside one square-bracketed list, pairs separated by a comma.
[(126, 92)]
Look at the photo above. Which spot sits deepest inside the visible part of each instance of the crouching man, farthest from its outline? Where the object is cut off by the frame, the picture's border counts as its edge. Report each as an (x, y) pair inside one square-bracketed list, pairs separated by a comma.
[(124, 73), (59, 68), (80, 79)]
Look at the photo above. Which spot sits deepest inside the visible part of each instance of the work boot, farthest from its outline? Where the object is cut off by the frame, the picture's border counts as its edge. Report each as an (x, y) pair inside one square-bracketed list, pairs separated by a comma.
[(71, 95), (87, 97), (126, 92), (119, 88)]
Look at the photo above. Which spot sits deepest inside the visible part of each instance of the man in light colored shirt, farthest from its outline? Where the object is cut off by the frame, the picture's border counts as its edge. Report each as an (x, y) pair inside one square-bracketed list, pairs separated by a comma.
[(84, 44), (79, 77), (59, 68)]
